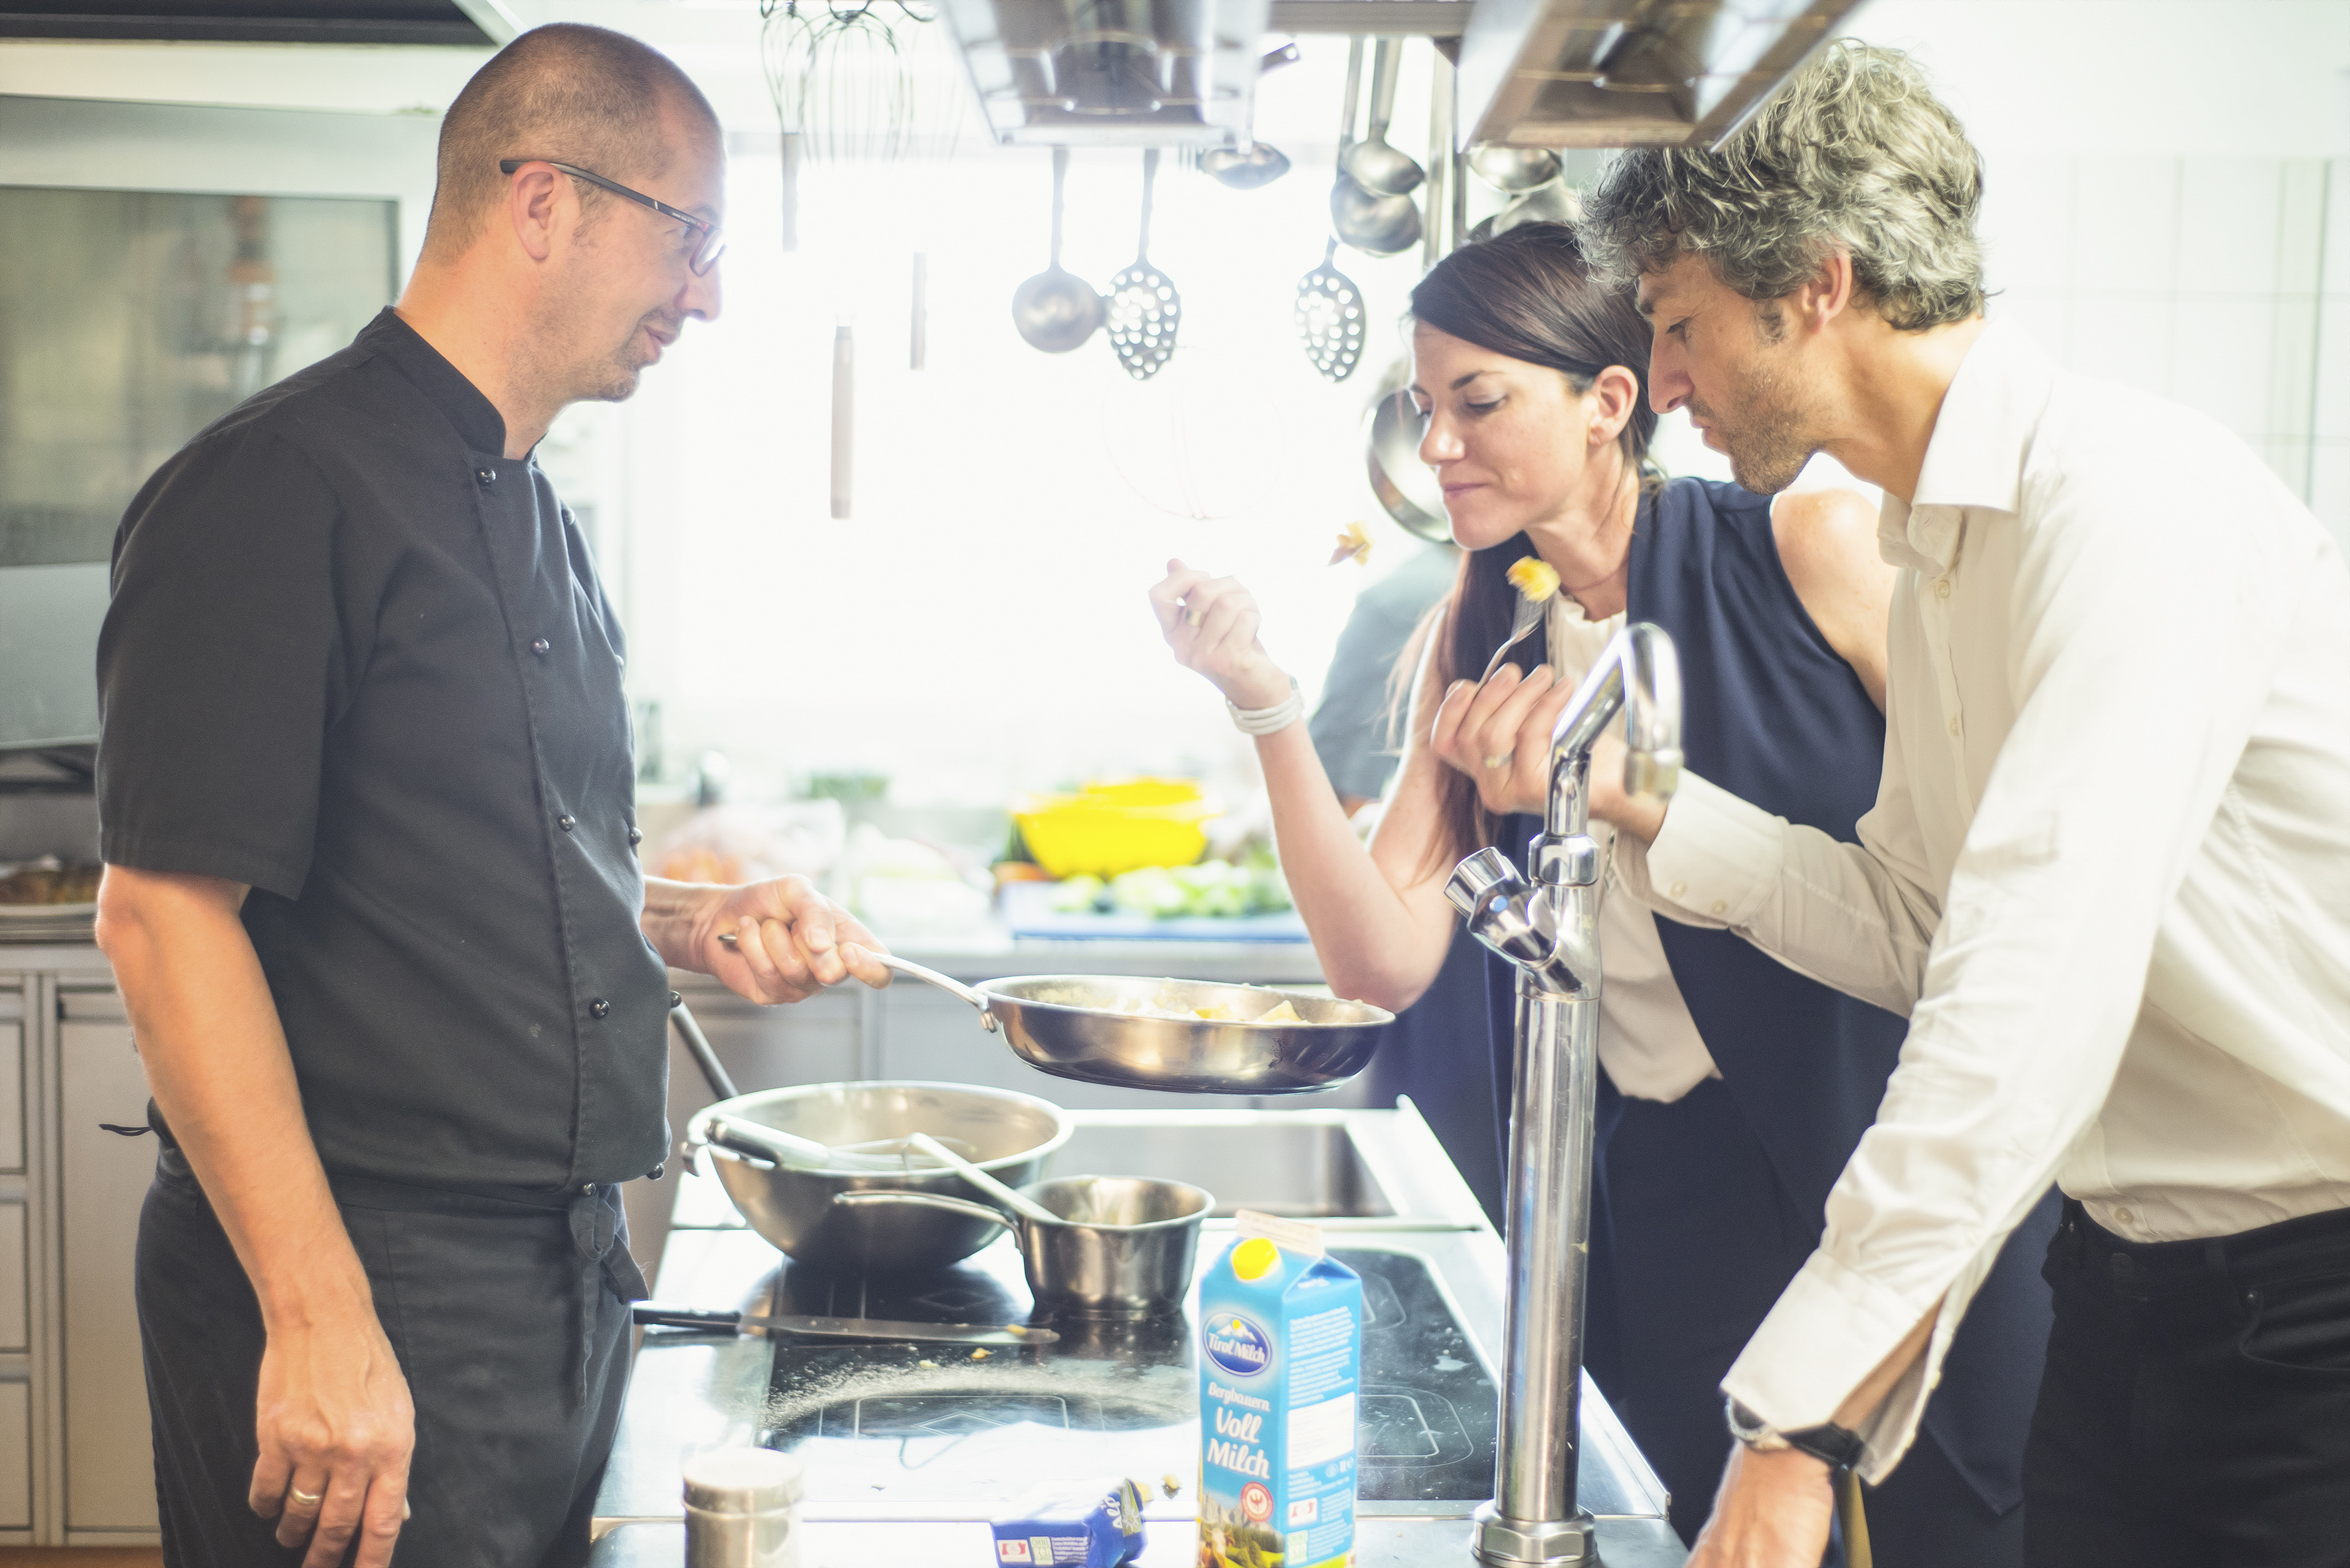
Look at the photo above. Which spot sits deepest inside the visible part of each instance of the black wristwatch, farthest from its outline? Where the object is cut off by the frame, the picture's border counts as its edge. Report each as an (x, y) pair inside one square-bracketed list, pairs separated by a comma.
[(1834, 1446)]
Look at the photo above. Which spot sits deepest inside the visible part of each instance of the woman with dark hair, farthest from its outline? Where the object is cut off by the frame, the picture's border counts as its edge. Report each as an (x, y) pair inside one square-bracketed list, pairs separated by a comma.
[(1733, 1090)]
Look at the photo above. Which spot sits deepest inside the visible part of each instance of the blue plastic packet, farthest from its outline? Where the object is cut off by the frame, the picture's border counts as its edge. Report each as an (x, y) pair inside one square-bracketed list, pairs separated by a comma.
[(1094, 1526)]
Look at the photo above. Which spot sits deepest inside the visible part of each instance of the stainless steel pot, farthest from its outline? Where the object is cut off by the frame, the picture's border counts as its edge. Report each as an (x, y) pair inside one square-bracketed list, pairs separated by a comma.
[(1121, 1246), (1012, 1137), (1085, 1026), (1407, 488)]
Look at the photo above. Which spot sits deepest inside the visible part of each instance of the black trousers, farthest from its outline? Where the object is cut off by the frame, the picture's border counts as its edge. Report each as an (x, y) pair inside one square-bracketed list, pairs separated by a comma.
[(2196, 1405), (509, 1326), (1696, 1243)]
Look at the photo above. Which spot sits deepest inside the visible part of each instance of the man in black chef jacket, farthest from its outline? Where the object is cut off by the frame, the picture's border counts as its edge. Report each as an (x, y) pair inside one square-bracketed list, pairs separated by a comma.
[(371, 891)]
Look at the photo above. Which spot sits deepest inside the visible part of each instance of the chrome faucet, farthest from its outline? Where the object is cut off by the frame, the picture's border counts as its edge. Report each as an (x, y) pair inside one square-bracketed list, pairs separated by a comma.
[(1550, 929)]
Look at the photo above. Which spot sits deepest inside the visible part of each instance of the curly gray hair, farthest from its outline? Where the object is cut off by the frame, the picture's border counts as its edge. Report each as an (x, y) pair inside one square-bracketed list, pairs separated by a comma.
[(1852, 153)]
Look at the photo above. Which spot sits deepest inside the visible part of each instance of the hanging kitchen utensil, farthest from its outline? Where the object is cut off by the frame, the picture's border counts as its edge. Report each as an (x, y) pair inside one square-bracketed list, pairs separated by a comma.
[(1246, 169), (1556, 203), (1406, 487), (1255, 165), (1329, 316), (1375, 224), (1055, 310), (1328, 311), (1514, 169), (844, 420), (1377, 168), (841, 76), (1144, 308)]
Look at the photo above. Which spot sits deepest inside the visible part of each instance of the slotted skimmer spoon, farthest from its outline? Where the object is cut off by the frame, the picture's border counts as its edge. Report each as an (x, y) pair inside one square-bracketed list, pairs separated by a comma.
[(1329, 309), (1329, 316), (1144, 308)]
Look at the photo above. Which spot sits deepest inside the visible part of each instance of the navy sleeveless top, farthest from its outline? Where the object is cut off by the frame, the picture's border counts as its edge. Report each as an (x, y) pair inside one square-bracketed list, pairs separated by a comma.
[(1774, 714)]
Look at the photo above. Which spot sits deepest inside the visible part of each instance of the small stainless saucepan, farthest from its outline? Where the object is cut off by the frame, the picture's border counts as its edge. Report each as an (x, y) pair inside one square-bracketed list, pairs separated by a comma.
[(1117, 1246)]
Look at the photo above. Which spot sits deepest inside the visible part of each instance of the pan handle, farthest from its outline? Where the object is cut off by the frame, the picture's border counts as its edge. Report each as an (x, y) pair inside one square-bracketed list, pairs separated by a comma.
[(963, 1207), (697, 1045), (976, 998)]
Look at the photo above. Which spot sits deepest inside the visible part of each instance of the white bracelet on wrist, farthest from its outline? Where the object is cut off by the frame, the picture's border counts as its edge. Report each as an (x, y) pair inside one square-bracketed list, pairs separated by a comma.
[(1265, 720)]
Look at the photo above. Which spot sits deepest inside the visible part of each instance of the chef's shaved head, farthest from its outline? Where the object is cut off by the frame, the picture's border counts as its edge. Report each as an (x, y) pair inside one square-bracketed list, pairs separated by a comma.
[(568, 92)]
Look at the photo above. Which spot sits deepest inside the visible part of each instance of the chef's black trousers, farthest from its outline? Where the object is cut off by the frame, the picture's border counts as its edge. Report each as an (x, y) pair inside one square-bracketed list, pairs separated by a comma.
[(2196, 1405), (510, 1326)]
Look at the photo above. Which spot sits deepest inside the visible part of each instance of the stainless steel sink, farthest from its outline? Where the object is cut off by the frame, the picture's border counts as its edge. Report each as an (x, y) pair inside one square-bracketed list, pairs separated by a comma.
[(1303, 1165), (1345, 1169)]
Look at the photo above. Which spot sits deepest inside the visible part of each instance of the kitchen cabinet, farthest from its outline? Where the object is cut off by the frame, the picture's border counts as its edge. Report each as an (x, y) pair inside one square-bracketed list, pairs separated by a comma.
[(75, 1458), (110, 1467)]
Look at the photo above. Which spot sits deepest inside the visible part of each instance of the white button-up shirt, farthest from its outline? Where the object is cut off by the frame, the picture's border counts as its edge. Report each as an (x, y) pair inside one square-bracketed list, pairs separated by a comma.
[(2107, 875)]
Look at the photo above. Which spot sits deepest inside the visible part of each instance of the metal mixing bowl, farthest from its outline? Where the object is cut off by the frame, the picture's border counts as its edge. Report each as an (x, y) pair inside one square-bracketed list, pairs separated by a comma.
[(1011, 1136)]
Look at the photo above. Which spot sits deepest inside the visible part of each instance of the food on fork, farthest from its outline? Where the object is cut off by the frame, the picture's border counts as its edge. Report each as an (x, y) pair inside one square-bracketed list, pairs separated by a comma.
[(1534, 579), (1354, 545)]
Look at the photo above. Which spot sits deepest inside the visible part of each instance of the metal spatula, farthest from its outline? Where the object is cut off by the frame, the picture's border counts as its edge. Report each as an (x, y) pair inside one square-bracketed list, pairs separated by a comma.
[(1144, 308), (1329, 316)]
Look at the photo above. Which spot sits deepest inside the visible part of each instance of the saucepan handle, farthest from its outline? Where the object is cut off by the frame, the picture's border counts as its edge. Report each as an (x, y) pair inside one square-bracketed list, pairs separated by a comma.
[(976, 998), (963, 1207), (697, 1045)]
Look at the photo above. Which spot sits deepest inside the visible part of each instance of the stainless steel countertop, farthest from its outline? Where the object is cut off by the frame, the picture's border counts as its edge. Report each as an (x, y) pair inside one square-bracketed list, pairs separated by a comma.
[(690, 1395)]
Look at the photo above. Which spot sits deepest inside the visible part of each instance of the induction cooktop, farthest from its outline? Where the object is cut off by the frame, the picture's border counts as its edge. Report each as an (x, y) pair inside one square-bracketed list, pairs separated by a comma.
[(909, 1431)]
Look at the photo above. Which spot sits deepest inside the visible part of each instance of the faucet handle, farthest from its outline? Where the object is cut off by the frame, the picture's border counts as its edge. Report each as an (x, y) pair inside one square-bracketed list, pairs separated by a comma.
[(1476, 876)]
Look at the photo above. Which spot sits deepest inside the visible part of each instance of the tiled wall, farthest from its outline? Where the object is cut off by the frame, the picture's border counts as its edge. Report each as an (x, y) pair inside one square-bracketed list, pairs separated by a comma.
[(2221, 282)]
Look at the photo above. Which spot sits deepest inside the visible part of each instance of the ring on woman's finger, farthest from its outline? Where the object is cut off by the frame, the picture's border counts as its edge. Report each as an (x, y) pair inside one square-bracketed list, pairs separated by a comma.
[(300, 1498), (1501, 760), (1191, 618)]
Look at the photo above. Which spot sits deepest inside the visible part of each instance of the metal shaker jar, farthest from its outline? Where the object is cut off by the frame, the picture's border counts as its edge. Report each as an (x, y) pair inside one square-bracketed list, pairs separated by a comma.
[(742, 1510)]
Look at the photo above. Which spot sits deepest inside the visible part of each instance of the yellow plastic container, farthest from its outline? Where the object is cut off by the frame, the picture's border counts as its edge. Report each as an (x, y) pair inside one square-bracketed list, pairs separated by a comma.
[(1105, 829)]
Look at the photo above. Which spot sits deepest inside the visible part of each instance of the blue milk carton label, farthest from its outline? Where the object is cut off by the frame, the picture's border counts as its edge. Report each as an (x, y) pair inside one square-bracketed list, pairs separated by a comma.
[(1280, 1362)]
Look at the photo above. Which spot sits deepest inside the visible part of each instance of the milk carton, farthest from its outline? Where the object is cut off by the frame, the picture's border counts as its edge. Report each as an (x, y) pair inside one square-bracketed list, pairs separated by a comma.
[(1281, 1347)]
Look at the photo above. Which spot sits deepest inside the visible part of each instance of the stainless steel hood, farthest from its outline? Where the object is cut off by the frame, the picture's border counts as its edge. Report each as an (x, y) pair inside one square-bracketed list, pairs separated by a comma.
[(1623, 73), (1095, 72)]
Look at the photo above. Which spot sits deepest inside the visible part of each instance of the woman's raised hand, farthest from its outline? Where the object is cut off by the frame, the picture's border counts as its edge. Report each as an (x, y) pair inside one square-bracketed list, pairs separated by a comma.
[(1499, 734), (1212, 625)]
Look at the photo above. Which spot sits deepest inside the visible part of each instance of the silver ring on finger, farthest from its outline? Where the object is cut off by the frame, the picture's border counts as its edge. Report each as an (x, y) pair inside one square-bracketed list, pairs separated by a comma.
[(300, 1498), (1501, 760)]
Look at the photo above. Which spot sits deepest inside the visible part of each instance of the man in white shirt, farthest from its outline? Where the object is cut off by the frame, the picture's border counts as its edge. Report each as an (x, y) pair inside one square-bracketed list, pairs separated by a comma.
[(2107, 875)]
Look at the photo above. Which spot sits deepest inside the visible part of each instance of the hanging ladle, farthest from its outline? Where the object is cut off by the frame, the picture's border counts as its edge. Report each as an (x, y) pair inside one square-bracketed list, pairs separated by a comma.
[(1377, 168), (1055, 310), (1255, 166)]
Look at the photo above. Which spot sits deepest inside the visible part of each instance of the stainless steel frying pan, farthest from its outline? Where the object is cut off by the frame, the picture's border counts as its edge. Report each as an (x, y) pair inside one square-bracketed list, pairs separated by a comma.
[(1084, 1026), (1089, 1027)]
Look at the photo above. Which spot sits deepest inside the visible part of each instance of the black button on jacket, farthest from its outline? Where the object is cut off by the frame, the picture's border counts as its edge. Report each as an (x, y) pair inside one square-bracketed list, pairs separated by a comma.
[(360, 659)]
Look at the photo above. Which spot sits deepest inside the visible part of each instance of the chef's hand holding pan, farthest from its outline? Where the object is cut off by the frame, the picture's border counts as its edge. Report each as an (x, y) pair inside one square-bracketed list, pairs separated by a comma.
[(1499, 734), (337, 1428), (788, 942), (1211, 624)]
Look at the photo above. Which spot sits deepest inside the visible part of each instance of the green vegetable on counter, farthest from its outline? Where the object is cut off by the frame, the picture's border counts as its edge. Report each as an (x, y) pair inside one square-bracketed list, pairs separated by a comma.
[(1212, 889)]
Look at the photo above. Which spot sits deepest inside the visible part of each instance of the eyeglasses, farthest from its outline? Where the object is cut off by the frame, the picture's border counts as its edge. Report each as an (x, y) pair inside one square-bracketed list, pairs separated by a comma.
[(709, 243)]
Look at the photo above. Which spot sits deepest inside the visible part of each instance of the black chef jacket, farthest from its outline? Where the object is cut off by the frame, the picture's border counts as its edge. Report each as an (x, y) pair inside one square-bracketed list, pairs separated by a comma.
[(360, 659)]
